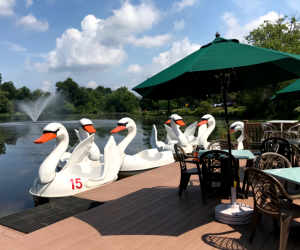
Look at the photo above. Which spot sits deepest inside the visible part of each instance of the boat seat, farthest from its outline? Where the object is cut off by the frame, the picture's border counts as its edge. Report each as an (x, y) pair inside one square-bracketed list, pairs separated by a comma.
[(85, 171), (150, 155)]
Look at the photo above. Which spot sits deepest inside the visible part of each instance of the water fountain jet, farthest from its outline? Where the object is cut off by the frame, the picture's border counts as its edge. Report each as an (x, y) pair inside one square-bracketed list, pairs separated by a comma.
[(35, 108)]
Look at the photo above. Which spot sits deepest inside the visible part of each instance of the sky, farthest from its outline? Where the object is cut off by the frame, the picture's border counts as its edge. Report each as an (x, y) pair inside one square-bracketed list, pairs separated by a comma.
[(116, 43)]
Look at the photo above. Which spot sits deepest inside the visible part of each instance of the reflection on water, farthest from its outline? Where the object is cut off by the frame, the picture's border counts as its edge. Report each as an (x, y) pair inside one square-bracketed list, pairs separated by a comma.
[(20, 158)]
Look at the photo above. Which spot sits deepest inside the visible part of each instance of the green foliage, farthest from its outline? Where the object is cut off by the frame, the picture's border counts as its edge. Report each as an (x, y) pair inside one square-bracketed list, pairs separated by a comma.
[(184, 111), (6, 106)]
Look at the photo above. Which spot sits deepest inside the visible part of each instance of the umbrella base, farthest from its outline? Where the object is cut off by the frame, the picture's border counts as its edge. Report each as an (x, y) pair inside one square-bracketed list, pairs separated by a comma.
[(238, 214)]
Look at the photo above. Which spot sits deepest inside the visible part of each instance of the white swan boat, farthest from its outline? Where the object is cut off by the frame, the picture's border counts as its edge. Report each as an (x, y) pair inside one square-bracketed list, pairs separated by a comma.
[(235, 127), (80, 173), (181, 139), (144, 160), (85, 127), (188, 132), (210, 120)]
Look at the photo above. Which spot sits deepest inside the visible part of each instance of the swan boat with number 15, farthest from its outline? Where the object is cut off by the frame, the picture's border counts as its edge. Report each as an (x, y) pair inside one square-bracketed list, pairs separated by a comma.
[(79, 174)]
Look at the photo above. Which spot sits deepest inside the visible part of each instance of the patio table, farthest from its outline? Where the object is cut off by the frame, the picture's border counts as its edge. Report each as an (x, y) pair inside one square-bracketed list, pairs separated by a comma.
[(287, 174), (282, 121)]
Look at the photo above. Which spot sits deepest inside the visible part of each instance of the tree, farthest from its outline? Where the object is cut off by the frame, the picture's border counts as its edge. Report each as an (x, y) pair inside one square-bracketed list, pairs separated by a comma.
[(282, 35), (36, 94), (69, 88), (23, 93), (10, 89), (6, 106)]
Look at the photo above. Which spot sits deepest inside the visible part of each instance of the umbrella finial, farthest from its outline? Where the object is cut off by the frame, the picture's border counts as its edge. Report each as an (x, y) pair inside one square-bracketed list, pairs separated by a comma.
[(217, 34)]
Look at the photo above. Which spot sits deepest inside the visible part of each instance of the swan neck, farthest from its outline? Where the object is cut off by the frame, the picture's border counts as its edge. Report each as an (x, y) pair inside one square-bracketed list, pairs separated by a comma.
[(207, 132), (125, 142), (82, 133), (181, 137), (47, 169)]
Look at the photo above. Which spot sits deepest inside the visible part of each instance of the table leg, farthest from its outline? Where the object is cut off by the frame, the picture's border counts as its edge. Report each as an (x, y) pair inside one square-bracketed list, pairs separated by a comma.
[(281, 127)]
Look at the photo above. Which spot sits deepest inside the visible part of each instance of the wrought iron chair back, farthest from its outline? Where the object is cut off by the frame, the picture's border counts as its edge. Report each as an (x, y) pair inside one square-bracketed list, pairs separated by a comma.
[(268, 128), (296, 152), (220, 144), (181, 156), (280, 134), (284, 147), (292, 130)]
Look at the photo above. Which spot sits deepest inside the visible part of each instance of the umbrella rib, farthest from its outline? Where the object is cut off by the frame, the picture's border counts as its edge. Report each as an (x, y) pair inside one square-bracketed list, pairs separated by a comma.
[(237, 79), (193, 84), (283, 69)]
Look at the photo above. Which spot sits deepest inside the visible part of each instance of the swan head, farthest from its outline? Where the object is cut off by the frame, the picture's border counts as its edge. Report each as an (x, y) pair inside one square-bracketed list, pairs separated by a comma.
[(236, 126), (124, 123), (205, 119), (177, 119), (51, 131), (87, 125)]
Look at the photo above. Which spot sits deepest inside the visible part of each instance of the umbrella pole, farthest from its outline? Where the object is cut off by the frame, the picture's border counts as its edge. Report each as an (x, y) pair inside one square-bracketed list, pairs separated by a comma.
[(232, 213)]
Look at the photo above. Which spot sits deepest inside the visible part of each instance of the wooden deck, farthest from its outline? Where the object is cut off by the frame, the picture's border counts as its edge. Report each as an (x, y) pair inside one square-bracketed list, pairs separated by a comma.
[(145, 212)]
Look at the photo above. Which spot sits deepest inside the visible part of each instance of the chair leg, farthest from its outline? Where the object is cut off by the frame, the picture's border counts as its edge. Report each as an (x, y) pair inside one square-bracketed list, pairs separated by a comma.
[(275, 226), (255, 219), (202, 189), (186, 181), (285, 222), (181, 185)]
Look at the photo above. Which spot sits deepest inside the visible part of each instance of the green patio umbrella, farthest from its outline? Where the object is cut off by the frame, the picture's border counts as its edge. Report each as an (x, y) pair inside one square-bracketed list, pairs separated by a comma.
[(291, 92), (221, 66)]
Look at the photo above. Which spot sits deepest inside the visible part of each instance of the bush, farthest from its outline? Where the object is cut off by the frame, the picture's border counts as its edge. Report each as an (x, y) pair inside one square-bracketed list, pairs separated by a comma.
[(199, 112), (184, 111), (235, 106), (296, 111)]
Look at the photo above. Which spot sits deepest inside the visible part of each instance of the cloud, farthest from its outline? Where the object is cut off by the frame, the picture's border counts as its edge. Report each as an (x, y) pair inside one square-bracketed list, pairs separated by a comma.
[(46, 86), (149, 41), (179, 25), (294, 4), (249, 6), (134, 68), (99, 44), (6, 7), (28, 3), (92, 85), (30, 22), (27, 64), (16, 47), (235, 30), (179, 6)]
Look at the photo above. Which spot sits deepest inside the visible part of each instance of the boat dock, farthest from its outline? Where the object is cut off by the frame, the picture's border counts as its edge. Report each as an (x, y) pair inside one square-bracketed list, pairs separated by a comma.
[(145, 212)]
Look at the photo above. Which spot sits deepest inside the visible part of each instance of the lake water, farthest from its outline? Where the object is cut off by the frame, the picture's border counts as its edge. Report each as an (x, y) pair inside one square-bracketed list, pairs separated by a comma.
[(20, 158)]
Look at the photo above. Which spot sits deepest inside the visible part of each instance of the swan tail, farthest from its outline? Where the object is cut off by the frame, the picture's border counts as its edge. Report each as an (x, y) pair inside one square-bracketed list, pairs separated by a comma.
[(190, 130), (170, 133)]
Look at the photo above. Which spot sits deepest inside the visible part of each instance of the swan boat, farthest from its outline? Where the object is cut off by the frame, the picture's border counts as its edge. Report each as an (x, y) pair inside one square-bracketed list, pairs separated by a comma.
[(79, 174), (85, 127), (188, 132), (210, 121), (144, 160), (181, 139), (235, 127)]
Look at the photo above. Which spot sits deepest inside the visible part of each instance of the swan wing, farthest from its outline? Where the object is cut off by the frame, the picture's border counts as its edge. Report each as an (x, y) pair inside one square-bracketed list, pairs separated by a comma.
[(112, 164), (170, 133), (190, 130), (77, 134), (81, 152), (201, 130), (153, 140)]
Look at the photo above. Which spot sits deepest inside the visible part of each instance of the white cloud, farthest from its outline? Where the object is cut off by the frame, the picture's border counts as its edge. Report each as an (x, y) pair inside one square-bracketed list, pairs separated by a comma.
[(28, 3), (134, 68), (294, 4), (249, 6), (92, 84), (178, 51), (236, 31), (16, 47), (179, 6), (6, 7), (99, 43), (27, 64), (30, 22), (179, 25), (149, 41), (46, 86)]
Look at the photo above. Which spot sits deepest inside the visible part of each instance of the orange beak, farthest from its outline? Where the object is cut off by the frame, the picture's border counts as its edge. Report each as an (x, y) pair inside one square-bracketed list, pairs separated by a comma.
[(202, 122), (89, 128), (180, 123), (168, 121), (45, 137), (231, 130), (118, 129)]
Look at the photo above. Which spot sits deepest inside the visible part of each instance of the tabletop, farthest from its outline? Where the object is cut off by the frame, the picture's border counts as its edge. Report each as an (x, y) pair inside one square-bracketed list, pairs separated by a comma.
[(283, 121), (238, 154), (287, 174)]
